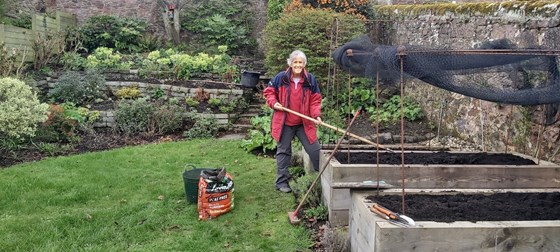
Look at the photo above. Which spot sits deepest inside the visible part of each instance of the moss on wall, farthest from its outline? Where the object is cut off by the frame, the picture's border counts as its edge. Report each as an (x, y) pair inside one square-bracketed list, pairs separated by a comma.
[(534, 8)]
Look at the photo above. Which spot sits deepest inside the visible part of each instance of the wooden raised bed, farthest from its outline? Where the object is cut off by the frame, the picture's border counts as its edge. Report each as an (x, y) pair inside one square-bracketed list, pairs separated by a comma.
[(339, 179), (370, 232)]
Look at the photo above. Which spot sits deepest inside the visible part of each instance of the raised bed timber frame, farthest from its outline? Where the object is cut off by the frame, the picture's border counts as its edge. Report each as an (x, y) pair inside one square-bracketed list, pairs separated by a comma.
[(338, 180), (369, 232)]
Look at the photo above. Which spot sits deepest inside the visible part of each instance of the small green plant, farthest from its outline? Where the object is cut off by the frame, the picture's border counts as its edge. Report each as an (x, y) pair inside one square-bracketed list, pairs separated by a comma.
[(214, 102), (191, 102), (131, 92), (319, 212), (157, 93), (50, 149)]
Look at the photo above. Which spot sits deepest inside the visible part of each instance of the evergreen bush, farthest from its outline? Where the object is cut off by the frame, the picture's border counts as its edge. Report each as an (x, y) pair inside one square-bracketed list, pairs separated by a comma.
[(20, 109)]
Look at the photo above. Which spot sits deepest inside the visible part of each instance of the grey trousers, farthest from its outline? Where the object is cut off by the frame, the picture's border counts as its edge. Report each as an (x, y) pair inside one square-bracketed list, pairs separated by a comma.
[(284, 152)]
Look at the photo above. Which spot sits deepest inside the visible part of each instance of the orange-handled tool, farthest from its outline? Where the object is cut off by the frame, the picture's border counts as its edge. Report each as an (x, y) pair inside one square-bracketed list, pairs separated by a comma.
[(395, 218), (384, 211)]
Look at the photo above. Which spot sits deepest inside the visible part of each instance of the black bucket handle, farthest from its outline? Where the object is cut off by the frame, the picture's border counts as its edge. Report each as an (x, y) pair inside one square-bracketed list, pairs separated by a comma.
[(190, 165)]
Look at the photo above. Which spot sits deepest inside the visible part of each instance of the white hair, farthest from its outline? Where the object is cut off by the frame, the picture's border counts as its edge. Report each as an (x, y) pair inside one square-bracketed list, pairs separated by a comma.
[(297, 54)]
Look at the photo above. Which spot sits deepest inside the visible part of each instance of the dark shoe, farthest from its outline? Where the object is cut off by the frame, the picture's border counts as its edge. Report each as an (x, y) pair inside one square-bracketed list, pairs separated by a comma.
[(284, 189)]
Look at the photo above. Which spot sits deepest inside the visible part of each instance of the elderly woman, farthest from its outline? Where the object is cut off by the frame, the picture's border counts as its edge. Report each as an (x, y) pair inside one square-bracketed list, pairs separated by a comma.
[(297, 90)]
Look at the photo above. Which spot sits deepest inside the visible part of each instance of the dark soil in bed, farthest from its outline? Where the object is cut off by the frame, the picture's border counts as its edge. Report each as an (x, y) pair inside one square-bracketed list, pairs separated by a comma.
[(475, 207), (432, 158)]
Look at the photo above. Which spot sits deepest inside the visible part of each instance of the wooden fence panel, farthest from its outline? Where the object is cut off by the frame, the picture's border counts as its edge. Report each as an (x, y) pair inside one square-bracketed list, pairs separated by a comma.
[(21, 39)]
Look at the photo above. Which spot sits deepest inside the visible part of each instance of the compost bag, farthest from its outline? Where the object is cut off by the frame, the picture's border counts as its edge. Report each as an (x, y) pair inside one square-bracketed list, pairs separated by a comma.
[(215, 193)]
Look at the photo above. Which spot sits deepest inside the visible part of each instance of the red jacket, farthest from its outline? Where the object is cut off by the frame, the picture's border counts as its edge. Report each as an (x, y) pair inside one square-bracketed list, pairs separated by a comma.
[(278, 90)]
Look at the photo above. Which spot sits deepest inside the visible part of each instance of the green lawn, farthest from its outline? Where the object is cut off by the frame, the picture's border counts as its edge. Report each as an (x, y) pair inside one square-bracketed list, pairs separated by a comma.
[(133, 199)]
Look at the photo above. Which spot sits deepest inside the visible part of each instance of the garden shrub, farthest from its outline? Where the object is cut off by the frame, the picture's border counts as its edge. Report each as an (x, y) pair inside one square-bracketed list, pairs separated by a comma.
[(72, 87), (122, 34), (204, 126), (20, 109), (133, 116), (167, 118), (219, 22), (314, 36), (64, 122)]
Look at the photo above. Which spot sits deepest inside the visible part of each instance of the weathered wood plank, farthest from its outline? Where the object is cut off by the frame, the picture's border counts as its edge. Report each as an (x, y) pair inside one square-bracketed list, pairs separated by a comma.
[(439, 176), (544, 175)]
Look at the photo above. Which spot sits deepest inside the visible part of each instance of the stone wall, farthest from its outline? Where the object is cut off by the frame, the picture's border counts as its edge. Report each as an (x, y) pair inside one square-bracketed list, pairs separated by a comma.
[(492, 126)]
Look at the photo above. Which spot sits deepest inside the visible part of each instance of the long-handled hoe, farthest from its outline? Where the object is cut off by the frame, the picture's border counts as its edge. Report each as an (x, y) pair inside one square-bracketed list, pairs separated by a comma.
[(293, 216)]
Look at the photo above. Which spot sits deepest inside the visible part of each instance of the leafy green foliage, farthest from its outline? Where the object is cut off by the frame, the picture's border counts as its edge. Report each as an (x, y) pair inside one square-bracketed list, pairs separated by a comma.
[(64, 122), (320, 212), (390, 110), (260, 136), (20, 109), (191, 102), (133, 116), (310, 31), (72, 61), (220, 22), (130, 92), (302, 184), (166, 118), (205, 125), (78, 89), (275, 9), (104, 58), (122, 34)]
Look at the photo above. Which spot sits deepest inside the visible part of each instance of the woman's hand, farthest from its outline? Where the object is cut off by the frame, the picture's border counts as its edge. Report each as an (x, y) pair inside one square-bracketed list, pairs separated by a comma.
[(278, 106), (319, 121)]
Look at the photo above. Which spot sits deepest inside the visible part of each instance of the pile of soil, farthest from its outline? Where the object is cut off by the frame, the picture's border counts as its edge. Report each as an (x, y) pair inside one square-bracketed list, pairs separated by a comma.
[(428, 158), (475, 207)]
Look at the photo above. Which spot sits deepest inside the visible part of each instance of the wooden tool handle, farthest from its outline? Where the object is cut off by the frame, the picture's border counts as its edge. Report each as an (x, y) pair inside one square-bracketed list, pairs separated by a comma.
[(384, 211), (334, 128), (379, 213)]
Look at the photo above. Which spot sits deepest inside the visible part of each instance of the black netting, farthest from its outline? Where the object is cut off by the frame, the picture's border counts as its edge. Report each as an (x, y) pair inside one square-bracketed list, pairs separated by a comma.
[(496, 71)]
